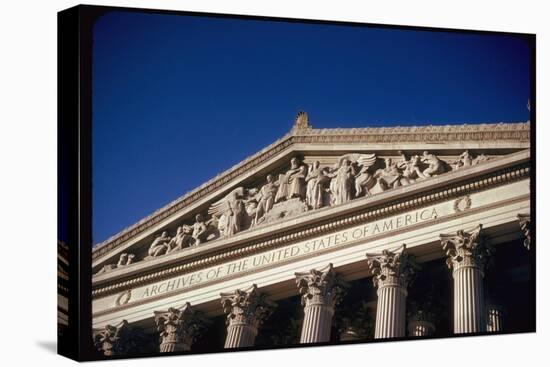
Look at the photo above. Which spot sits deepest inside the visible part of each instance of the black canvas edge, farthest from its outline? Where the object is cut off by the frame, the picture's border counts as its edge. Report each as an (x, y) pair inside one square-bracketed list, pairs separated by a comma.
[(75, 26)]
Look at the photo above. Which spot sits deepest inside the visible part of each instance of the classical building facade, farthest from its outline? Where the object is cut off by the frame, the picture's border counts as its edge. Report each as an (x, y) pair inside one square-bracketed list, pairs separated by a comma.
[(331, 235)]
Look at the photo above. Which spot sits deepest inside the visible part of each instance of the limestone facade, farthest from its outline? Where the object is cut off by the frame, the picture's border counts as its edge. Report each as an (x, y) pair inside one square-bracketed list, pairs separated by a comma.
[(314, 212)]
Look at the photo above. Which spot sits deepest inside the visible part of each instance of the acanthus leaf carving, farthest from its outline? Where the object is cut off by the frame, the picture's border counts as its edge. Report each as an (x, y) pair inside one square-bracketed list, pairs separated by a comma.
[(247, 306), (466, 248), (392, 267), (179, 327), (321, 286)]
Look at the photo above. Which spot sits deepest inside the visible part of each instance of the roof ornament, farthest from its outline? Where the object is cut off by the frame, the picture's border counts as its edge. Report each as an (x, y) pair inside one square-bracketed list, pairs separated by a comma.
[(301, 122)]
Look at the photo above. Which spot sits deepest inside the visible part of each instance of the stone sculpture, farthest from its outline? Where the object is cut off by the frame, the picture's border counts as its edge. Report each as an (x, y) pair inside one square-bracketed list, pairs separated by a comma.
[(318, 180), (160, 245), (343, 182), (293, 183), (230, 212), (265, 199), (435, 165)]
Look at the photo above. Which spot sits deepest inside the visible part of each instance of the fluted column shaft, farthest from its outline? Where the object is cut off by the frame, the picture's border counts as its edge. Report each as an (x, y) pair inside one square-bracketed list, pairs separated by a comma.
[(240, 335), (467, 256), (246, 309), (317, 323), (469, 301), (392, 272), (495, 318), (321, 290), (390, 312)]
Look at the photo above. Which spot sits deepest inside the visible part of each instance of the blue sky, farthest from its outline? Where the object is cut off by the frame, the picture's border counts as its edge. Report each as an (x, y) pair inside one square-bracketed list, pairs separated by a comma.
[(178, 99)]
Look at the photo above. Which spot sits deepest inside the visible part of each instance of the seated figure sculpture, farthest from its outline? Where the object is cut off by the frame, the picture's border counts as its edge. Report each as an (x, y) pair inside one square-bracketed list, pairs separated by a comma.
[(435, 165), (293, 183), (160, 245)]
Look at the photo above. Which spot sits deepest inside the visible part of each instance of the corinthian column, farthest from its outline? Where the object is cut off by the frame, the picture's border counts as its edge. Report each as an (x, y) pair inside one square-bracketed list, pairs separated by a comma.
[(178, 328), (525, 224), (467, 256), (246, 309), (321, 290), (113, 340), (392, 271)]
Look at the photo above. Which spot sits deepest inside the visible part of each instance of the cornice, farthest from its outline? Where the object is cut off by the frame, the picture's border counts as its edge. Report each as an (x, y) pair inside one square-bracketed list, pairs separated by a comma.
[(411, 134), (391, 207)]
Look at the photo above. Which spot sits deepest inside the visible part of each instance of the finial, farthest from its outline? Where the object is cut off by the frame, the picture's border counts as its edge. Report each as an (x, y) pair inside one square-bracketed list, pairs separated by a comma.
[(301, 122)]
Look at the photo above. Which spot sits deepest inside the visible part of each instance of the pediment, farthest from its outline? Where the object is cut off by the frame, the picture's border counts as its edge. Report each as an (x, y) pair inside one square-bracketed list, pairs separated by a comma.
[(309, 169)]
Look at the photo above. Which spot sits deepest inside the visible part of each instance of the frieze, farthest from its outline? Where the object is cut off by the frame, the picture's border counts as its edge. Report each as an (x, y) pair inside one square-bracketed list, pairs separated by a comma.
[(301, 188), (502, 177), (483, 132)]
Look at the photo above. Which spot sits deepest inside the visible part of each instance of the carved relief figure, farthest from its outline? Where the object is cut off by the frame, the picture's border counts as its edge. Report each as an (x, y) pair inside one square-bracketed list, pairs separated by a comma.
[(435, 165), (343, 182), (318, 180), (390, 176), (182, 239), (410, 168), (364, 179), (265, 198), (160, 245), (200, 230), (293, 182), (124, 260), (230, 212), (464, 160)]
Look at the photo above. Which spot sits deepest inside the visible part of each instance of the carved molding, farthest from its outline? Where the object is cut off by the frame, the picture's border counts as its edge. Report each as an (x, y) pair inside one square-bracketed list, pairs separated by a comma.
[(321, 287), (392, 267), (390, 208), (247, 306), (478, 132), (466, 248), (525, 225), (179, 327)]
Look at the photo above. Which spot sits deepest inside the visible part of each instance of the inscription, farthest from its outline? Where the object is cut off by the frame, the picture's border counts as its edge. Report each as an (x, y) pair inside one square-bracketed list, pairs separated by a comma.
[(289, 252)]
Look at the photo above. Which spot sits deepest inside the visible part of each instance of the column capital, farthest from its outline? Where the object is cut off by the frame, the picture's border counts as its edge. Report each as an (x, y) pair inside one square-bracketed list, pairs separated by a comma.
[(246, 306), (320, 286), (112, 340), (392, 267), (179, 327), (466, 248), (525, 225)]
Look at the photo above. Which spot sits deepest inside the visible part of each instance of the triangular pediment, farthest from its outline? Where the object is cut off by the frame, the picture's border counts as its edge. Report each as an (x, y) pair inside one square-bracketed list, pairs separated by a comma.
[(309, 169)]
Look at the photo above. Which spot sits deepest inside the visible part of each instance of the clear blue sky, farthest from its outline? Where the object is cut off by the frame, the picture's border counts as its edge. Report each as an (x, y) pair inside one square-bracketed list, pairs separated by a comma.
[(178, 99)]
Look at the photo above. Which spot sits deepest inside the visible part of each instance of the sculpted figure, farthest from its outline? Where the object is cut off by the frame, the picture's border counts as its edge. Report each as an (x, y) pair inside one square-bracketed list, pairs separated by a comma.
[(435, 165), (125, 259), (364, 179), (313, 174), (410, 168), (318, 180), (230, 212), (464, 160), (160, 245), (200, 230), (480, 158), (266, 199), (182, 239), (293, 183), (343, 182), (390, 176)]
